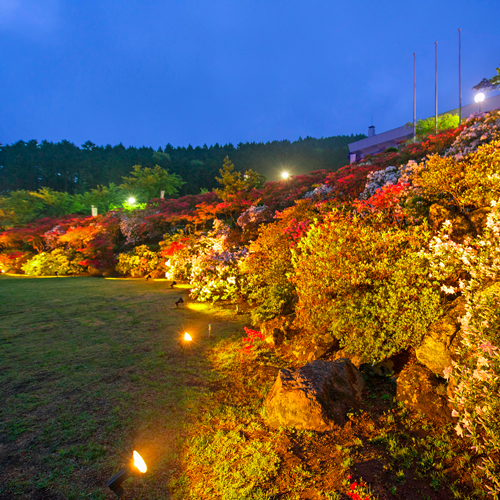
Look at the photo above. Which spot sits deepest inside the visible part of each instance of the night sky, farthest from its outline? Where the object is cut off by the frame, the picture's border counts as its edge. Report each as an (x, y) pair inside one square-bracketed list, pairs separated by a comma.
[(219, 71)]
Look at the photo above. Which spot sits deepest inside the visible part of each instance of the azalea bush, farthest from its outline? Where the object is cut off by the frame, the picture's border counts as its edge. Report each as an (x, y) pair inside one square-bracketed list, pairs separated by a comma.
[(268, 266), (12, 261), (478, 130), (140, 262), (475, 379), (364, 281), (472, 181), (215, 272)]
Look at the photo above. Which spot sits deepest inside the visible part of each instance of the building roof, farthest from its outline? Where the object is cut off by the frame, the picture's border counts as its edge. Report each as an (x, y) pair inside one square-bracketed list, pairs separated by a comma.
[(379, 142)]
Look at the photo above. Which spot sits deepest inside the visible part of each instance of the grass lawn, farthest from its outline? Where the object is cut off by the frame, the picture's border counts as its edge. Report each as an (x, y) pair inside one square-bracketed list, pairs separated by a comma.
[(91, 369)]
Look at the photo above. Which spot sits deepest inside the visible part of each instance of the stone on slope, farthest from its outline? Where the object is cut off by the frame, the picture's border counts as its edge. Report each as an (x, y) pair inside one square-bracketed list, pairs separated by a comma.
[(439, 346), (420, 389), (315, 396)]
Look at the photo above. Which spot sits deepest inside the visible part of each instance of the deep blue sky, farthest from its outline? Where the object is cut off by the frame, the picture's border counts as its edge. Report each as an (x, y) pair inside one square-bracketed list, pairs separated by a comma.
[(207, 71)]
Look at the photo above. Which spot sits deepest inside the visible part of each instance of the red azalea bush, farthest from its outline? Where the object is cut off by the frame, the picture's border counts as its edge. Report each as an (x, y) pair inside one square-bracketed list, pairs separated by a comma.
[(12, 261), (248, 342)]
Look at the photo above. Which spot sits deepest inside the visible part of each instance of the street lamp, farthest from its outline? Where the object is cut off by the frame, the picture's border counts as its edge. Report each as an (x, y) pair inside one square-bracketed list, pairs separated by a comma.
[(131, 200), (285, 175), (479, 99)]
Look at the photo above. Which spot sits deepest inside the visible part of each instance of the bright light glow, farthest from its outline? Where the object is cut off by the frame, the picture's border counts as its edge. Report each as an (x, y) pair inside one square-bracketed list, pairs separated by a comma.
[(479, 97), (139, 463), (187, 337), (285, 175), (131, 200)]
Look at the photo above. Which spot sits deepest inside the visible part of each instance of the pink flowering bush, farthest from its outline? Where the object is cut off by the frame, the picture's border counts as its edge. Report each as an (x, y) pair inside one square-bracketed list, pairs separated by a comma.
[(475, 379)]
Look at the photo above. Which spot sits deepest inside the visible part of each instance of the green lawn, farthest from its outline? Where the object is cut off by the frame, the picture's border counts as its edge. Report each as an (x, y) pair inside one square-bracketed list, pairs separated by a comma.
[(91, 369)]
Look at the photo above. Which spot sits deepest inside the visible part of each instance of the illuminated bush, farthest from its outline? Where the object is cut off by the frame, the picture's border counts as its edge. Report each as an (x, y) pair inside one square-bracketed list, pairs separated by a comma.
[(13, 261), (476, 376), (140, 262), (55, 262), (364, 281), (268, 266), (473, 181)]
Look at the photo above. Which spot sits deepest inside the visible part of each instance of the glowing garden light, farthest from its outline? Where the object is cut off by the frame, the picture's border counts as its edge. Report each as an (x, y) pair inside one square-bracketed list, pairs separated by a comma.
[(285, 175), (187, 337), (479, 98), (131, 200), (136, 467)]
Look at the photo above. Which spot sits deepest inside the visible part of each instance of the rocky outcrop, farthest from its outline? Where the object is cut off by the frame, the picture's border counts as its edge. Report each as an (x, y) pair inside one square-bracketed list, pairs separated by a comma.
[(316, 396), (420, 389), (439, 346)]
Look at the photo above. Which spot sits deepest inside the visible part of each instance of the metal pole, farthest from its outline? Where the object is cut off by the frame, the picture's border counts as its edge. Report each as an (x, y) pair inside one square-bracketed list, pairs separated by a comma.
[(414, 97), (436, 92), (459, 80)]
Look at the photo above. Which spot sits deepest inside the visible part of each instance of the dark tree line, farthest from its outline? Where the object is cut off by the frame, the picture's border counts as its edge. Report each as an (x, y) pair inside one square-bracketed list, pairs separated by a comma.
[(65, 167)]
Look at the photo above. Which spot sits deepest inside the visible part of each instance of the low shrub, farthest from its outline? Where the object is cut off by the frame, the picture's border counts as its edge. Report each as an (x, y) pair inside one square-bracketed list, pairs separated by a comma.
[(141, 262), (55, 262)]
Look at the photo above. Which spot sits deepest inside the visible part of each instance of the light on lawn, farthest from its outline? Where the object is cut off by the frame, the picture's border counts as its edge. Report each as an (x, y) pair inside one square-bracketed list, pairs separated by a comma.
[(285, 175), (187, 337), (135, 467), (140, 463), (131, 200)]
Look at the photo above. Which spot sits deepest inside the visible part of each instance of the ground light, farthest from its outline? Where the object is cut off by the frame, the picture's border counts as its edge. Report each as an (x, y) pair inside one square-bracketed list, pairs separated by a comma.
[(479, 98), (186, 341), (136, 467)]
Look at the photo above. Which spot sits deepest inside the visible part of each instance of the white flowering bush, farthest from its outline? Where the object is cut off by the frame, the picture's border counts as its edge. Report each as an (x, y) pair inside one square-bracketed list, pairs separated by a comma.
[(322, 191), (475, 379), (481, 129), (217, 276), (377, 180)]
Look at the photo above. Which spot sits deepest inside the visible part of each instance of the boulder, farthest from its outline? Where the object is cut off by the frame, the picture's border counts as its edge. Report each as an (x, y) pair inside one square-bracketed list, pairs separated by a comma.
[(439, 346), (315, 396), (420, 389), (462, 226)]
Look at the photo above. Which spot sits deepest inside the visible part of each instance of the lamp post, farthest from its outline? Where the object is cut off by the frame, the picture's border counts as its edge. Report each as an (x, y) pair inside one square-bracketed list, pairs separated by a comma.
[(479, 98), (285, 175), (131, 200)]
